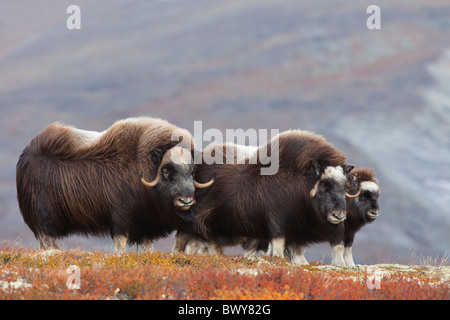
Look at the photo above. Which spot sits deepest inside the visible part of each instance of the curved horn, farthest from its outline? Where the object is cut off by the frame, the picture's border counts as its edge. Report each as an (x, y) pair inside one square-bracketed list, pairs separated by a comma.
[(199, 185), (313, 192), (349, 196), (153, 183)]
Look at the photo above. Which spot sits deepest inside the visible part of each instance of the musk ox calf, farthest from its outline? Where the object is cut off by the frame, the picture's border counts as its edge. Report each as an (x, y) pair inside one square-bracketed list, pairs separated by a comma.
[(72, 181), (303, 202), (362, 210)]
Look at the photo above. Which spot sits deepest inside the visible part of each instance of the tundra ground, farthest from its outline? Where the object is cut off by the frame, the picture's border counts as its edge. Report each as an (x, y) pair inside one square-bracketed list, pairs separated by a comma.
[(75, 274)]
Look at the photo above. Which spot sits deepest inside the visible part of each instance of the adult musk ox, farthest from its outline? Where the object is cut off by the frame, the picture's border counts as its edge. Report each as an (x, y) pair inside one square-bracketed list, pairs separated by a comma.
[(303, 202), (72, 181), (361, 210)]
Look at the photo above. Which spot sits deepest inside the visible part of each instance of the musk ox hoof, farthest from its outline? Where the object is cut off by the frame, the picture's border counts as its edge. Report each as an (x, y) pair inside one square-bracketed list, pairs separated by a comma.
[(299, 261), (47, 253), (339, 264), (50, 252)]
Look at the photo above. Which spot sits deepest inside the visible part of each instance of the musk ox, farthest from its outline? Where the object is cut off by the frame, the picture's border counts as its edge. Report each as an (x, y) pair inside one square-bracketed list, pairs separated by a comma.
[(303, 202), (361, 210), (72, 181)]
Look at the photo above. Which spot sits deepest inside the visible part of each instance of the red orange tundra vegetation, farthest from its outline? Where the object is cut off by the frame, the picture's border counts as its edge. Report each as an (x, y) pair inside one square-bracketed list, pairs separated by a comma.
[(33, 274)]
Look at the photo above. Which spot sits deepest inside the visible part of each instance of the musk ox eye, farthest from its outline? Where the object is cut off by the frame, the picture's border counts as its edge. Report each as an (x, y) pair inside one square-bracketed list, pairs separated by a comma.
[(366, 195), (166, 173)]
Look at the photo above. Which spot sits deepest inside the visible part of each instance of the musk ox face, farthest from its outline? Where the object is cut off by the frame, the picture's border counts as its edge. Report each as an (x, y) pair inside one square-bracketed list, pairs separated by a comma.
[(177, 183), (367, 202), (175, 177), (329, 192)]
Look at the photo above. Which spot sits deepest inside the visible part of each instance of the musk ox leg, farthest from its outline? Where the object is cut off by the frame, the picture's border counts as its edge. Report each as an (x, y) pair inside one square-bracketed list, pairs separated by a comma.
[(250, 253), (214, 248), (120, 243), (181, 241), (189, 245), (348, 257), (297, 253), (204, 249), (147, 245), (269, 251), (250, 247), (337, 255), (278, 246), (197, 246), (47, 242)]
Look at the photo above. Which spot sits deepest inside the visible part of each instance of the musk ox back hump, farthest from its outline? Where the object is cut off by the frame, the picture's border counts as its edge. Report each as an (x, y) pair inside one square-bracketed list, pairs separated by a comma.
[(242, 202), (58, 192), (54, 141), (298, 147), (76, 181)]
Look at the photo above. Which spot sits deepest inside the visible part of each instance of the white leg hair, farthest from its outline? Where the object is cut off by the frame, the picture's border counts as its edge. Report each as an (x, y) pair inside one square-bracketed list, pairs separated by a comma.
[(120, 244), (269, 251), (278, 246), (196, 246), (204, 249), (147, 245), (348, 257), (297, 253), (250, 247), (47, 242), (337, 255), (181, 241), (250, 252), (214, 248)]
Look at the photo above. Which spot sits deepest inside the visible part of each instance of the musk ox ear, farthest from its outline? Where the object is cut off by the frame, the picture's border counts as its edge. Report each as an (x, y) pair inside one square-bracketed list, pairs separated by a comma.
[(156, 155), (347, 168), (315, 166), (352, 181)]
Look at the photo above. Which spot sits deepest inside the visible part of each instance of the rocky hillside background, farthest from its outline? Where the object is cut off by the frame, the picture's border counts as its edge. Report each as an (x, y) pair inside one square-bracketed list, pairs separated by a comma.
[(382, 96)]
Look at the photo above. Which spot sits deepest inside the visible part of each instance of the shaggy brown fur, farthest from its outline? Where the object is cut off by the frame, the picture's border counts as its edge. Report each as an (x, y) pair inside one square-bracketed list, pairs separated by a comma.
[(244, 203), (363, 209), (73, 181), (360, 211)]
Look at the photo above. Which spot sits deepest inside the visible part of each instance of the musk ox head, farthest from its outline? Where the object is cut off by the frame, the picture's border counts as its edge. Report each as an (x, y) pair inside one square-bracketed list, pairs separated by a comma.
[(366, 204), (329, 192), (175, 177)]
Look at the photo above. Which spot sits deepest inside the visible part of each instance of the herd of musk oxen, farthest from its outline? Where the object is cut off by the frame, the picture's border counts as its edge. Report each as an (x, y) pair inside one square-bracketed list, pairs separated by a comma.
[(137, 183)]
